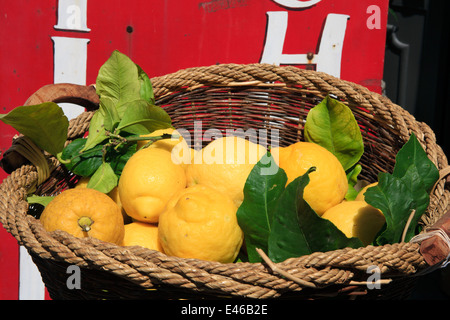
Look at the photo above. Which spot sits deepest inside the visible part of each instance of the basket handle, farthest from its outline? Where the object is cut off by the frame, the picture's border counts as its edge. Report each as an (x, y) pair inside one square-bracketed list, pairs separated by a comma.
[(82, 95)]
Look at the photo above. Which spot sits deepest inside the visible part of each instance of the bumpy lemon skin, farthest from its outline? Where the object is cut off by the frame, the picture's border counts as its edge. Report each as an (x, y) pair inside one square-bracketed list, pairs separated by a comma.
[(148, 180), (200, 222), (167, 143), (328, 184), (181, 152), (64, 211), (224, 164)]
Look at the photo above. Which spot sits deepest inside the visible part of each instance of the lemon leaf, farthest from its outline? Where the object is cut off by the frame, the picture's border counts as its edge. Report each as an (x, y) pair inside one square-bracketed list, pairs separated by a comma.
[(352, 178), (297, 230), (412, 153), (118, 157), (146, 91), (42, 200), (118, 79), (97, 132), (45, 124), (332, 125), (398, 198), (104, 179), (109, 113), (261, 191), (141, 117), (404, 192), (106, 118), (83, 164)]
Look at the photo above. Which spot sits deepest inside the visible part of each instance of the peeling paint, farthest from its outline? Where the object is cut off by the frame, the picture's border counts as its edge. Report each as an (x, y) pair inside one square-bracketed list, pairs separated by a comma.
[(216, 5)]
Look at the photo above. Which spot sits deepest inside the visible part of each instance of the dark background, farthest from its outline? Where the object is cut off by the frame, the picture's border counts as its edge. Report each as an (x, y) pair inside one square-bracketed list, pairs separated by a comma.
[(416, 76), (424, 86)]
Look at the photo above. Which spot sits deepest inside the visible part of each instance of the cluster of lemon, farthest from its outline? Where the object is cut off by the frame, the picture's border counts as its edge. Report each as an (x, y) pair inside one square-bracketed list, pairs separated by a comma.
[(181, 202)]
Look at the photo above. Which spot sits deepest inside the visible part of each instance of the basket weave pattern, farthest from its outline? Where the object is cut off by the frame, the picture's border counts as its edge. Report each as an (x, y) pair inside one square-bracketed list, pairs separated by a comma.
[(223, 97)]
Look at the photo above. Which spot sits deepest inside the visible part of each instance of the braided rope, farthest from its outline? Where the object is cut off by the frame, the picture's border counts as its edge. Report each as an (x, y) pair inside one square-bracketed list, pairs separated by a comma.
[(150, 269)]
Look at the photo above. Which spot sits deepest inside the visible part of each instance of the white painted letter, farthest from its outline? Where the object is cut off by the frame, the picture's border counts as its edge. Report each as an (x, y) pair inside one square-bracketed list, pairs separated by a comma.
[(329, 57), (70, 62), (295, 4)]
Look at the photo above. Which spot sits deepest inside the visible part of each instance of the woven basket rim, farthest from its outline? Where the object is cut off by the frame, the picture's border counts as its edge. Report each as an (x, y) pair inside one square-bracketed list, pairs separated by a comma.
[(146, 267)]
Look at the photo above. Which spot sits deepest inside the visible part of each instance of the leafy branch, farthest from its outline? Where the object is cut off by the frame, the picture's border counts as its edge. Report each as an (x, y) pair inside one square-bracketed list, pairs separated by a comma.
[(126, 113)]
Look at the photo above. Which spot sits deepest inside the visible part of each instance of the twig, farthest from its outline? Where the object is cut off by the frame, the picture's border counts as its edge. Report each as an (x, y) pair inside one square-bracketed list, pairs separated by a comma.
[(442, 174), (285, 274), (405, 230), (359, 283)]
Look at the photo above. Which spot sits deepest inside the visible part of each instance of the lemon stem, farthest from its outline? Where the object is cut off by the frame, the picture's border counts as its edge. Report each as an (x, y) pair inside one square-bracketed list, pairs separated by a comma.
[(85, 223)]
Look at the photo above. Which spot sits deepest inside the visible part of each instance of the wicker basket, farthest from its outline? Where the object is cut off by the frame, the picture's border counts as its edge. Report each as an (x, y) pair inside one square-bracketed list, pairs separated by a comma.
[(227, 96)]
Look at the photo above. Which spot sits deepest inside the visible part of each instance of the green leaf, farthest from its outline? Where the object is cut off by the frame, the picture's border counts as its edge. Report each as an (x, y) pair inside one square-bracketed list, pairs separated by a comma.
[(140, 117), (412, 153), (397, 198), (43, 200), (85, 163), (297, 230), (97, 132), (118, 157), (45, 124), (352, 178), (110, 114), (104, 179), (332, 125), (104, 119), (82, 164), (404, 191), (261, 192), (118, 79), (146, 91)]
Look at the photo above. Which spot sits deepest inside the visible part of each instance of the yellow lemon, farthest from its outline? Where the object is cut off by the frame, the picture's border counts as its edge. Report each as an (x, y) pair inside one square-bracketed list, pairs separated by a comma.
[(176, 144), (85, 212), (167, 144), (142, 234), (200, 222), (360, 196), (82, 182), (148, 181), (356, 219), (113, 194), (328, 183), (224, 164)]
